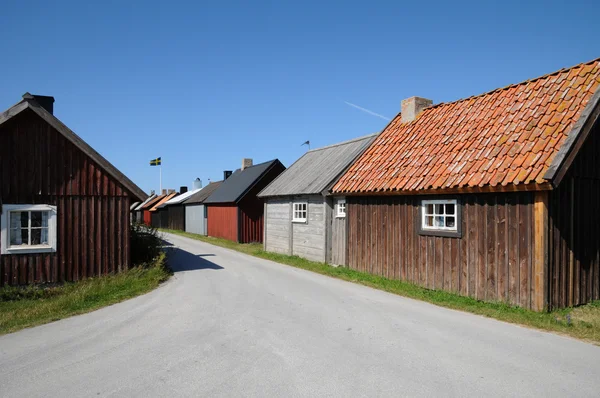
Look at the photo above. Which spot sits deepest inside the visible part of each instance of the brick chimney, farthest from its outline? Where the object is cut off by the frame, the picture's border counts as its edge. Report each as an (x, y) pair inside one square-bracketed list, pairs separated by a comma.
[(44, 101), (412, 107), (164, 191), (246, 162)]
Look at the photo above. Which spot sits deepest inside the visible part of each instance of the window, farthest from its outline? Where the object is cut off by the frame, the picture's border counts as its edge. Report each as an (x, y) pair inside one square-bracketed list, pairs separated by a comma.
[(439, 214), (440, 217), (28, 229), (340, 208), (300, 212)]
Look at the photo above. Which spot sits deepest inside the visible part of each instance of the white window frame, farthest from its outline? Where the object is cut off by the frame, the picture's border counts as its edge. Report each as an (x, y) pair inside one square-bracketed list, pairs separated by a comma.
[(305, 211), (5, 230), (424, 214), (338, 213)]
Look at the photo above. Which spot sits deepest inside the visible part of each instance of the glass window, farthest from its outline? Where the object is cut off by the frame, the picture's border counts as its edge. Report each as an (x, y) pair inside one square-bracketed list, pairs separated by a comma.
[(300, 212), (340, 208), (439, 215), (28, 227)]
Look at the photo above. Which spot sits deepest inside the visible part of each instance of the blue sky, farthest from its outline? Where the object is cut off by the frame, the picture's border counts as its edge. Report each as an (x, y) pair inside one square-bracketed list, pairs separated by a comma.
[(204, 84)]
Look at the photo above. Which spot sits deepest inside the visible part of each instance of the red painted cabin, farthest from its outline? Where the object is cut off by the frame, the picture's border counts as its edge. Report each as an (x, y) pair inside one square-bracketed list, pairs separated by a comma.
[(234, 211), (64, 209)]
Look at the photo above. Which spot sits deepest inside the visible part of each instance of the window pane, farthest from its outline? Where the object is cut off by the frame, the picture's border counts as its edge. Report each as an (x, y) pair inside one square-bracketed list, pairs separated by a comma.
[(429, 221), (44, 240), (24, 218), (429, 209), (439, 221), (450, 208), (36, 236), (439, 209), (15, 237), (450, 222), (19, 237), (15, 219), (36, 219)]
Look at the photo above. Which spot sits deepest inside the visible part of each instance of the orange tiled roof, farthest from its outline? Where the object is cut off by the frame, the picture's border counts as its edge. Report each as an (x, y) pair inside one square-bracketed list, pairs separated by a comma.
[(507, 136), (163, 200)]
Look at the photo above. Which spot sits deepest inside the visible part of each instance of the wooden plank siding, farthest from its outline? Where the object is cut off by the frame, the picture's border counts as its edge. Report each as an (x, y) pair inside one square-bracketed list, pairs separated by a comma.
[(492, 260), (40, 166), (338, 238), (223, 221), (195, 219), (304, 239), (176, 217), (574, 230), (278, 225)]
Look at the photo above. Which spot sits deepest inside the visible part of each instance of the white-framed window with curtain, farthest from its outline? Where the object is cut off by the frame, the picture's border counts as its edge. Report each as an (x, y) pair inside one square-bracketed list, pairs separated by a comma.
[(439, 215), (340, 208), (300, 212), (27, 229)]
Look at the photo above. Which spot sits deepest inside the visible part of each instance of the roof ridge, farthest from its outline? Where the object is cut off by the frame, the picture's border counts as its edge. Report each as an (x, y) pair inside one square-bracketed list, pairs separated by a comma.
[(258, 164), (364, 137), (514, 84)]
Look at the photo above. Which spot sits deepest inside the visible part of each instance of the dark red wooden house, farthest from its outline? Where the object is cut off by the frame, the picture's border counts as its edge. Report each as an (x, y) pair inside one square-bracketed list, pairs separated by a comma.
[(493, 196), (64, 209), (234, 211)]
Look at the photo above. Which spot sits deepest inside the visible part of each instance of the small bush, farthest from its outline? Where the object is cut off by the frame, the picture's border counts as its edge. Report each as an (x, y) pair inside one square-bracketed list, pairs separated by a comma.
[(146, 245)]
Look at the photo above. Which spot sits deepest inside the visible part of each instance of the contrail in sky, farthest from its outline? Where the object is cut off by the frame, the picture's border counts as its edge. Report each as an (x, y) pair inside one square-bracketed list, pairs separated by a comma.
[(367, 111)]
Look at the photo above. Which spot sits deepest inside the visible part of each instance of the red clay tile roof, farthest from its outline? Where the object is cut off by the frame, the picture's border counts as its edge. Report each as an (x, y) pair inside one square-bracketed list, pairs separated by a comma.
[(507, 136)]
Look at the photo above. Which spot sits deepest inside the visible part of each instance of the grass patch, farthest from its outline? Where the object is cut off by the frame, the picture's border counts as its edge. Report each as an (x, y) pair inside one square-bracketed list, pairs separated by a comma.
[(581, 322), (35, 305)]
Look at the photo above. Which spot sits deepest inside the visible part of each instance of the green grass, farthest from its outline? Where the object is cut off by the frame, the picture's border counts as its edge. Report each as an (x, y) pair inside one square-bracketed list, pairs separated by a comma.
[(581, 322), (34, 305)]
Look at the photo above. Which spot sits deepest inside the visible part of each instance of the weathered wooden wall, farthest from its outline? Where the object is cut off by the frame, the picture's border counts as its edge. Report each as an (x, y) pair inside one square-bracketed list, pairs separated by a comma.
[(308, 239), (574, 230), (39, 166), (491, 261), (223, 221), (338, 238), (278, 225), (251, 223), (195, 219), (176, 217)]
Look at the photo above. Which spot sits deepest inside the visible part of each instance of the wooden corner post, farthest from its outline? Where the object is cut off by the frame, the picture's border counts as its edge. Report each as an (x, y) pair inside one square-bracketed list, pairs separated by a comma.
[(540, 253)]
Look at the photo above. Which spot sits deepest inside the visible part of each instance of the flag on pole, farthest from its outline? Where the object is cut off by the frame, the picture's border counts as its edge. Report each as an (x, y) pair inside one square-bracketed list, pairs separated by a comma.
[(307, 143), (155, 162)]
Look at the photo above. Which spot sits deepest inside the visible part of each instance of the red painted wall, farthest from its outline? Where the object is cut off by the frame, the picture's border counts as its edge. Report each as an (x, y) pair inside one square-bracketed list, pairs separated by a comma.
[(40, 166), (223, 221), (147, 217)]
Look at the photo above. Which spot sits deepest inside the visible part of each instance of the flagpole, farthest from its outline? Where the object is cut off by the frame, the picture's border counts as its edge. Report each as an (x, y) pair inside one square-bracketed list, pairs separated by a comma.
[(160, 167)]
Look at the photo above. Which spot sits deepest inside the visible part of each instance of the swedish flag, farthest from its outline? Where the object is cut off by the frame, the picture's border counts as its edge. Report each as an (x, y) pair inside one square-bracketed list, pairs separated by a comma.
[(155, 162)]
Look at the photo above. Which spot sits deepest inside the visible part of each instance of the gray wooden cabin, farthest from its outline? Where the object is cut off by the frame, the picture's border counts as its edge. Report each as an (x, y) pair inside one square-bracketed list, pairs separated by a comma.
[(195, 211), (301, 217)]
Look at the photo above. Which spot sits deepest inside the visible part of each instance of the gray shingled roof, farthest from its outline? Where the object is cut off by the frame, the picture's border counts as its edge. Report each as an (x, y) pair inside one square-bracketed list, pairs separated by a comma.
[(318, 169), (200, 197), (234, 188)]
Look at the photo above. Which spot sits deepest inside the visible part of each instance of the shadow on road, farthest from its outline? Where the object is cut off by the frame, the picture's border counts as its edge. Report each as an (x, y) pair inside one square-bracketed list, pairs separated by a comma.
[(181, 260)]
